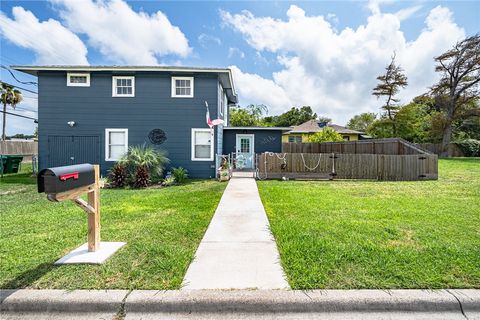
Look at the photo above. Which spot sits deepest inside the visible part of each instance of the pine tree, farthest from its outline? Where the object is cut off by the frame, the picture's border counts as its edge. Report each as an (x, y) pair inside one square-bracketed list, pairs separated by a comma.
[(389, 85)]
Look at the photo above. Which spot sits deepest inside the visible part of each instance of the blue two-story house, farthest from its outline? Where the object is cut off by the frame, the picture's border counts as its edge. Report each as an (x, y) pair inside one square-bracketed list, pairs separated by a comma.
[(94, 113)]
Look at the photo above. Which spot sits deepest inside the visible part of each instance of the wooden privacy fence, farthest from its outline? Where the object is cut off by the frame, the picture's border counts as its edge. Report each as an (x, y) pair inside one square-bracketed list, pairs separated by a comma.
[(347, 166), (453, 149), (18, 147), (391, 146)]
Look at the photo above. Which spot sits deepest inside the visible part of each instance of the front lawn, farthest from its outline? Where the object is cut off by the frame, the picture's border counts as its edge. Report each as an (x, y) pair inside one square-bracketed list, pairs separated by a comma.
[(359, 234), (162, 228)]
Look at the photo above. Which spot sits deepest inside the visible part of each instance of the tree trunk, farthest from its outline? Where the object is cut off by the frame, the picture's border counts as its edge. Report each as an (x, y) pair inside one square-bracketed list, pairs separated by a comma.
[(447, 136), (4, 137)]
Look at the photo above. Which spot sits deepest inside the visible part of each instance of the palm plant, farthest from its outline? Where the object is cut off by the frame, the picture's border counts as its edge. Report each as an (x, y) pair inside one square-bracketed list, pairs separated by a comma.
[(144, 164), (9, 96)]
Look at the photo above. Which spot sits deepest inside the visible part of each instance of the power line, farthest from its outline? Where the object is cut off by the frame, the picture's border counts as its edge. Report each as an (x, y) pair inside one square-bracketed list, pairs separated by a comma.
[(25, 109), (19, 115), (22, 82), (21, 88)]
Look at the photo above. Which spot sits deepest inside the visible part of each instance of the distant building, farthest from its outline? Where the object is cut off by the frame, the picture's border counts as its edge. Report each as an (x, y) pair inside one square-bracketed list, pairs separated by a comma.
[(302, 132)]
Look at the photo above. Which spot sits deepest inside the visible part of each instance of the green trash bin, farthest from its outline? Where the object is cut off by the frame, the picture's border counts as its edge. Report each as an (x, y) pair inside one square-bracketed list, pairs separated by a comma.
[(3, 163), (12, 164)]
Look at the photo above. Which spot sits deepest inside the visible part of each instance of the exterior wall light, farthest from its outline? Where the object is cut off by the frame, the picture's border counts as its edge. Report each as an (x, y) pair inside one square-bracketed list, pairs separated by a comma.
[(71, 123)]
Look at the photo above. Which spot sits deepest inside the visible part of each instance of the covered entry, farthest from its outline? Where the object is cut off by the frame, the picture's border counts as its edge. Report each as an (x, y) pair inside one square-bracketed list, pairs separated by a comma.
[(245, 151), (243, 143)]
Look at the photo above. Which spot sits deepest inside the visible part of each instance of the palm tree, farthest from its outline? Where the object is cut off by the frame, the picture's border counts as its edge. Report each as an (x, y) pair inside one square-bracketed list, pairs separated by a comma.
[(9, 96), (143, 163)]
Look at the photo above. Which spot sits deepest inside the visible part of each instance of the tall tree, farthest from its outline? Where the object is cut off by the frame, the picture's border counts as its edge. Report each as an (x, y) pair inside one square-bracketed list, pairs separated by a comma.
[(459, 84), (389, 85), (292, 117), (327, 134), (9, 97), (362, 121), (248, 116)]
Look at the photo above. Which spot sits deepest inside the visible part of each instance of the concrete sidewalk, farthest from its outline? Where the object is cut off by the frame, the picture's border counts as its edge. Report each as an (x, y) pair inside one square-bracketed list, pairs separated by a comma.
[(237, 250), (240, 304)]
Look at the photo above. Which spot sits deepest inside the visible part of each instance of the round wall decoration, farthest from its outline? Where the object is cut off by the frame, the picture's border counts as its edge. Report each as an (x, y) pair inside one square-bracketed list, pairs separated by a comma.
[(157, 136)]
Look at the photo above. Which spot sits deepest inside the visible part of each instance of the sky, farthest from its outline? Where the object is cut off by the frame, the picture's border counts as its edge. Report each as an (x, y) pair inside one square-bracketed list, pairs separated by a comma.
[(325, 54)]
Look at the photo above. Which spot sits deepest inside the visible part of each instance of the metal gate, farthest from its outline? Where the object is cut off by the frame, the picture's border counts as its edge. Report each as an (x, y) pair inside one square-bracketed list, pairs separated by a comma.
[(68, 150)]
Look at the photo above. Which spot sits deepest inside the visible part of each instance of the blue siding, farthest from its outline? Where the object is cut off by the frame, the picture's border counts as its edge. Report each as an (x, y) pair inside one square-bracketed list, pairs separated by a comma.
[(264, 140), (94, 109)]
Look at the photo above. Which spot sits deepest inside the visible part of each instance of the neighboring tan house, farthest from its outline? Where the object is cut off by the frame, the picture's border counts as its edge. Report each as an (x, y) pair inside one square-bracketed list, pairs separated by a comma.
[(92, 114), (301, 132)]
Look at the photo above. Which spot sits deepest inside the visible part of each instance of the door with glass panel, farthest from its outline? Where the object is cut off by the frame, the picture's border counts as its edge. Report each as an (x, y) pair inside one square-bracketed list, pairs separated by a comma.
[(245, 154)]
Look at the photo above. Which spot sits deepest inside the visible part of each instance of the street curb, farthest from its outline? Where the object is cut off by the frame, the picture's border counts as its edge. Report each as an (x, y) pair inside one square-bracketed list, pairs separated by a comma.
[(242, 301), (30, 300)]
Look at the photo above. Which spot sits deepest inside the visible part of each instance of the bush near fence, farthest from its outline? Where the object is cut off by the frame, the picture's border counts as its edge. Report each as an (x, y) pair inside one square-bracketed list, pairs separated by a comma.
[(377, 159)]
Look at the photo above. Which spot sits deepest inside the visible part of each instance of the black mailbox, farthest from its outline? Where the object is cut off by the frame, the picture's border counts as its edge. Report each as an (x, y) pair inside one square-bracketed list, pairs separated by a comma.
[(60, 179)]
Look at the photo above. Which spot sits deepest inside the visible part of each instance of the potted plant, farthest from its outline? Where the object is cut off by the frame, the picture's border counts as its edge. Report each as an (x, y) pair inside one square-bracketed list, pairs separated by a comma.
[(224, 170)]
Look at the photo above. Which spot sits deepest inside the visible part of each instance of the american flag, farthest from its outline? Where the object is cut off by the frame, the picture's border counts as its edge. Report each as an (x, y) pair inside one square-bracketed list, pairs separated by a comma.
[(211, 122)]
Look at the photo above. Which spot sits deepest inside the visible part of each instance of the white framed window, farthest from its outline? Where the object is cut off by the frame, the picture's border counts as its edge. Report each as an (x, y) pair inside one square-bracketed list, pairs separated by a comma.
[(123, 86), (182, 87), (78, 79), (202, 145), (116, 144), (295, 139)]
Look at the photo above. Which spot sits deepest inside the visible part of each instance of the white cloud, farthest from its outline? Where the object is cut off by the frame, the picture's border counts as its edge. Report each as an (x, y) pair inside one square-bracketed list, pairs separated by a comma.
[(232, 52), (121, 34), (333, 18), (263, 91), (206, 39), (406, 13), (51, 42), (335, 71)]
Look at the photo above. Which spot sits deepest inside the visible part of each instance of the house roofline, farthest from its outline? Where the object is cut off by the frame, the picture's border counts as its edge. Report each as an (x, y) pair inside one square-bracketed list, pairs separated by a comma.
[(258, 128), (33, 70)]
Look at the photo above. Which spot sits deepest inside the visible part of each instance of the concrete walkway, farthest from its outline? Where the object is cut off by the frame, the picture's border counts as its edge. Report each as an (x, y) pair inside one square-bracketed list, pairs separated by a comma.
[(238, 250)]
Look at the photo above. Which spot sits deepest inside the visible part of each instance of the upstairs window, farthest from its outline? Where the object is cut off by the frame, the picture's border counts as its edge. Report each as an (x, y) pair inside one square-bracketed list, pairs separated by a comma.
[(123, 86), (202, 145), (78, 79), (182, 87), (116, 144)]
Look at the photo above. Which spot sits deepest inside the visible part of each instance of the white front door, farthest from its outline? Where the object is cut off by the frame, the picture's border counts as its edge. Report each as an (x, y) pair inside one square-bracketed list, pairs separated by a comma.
[(245, 154)]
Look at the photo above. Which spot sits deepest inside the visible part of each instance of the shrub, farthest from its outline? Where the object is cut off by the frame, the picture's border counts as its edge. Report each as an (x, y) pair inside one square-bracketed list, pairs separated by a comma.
[(144, 164), (169, 181), (326, 135), (470, 147), (179, 174), (118, 175)]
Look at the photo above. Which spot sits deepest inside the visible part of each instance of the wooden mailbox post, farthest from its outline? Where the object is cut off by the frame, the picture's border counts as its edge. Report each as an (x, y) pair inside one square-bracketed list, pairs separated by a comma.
[(70, 183), (91, 207)]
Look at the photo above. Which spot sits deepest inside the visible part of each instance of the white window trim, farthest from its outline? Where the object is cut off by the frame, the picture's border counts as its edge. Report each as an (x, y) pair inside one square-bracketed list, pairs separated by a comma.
[(114, 86), (70, 84), (107, 142), (212, 144), (174, 92)]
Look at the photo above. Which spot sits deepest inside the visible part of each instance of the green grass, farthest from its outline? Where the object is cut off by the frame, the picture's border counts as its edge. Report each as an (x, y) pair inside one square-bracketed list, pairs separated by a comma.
[(162, 228), (359, 234)]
